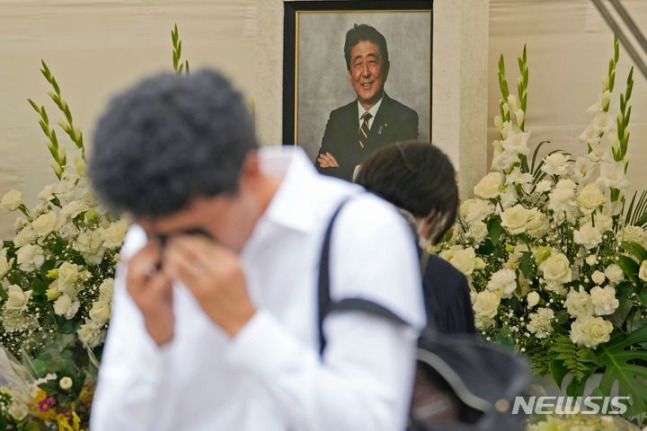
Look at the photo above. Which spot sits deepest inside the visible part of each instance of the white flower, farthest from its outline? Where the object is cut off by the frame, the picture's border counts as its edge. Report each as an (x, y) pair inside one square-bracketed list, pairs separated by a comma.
[(105, 289), (113, 236), (588, 235), (73, 209), (5, 265), (90, 244), (30, 257), (598, 277), (11, 200), (27, 235), (67, 279), (591, 260), (583, 169), (463, 259), (44, 224), (64, 306), (80, 166), (590, 198), (538, 223), (632, 233), (477, 231), (533, 299), (543, 186), (485, 307), (517, 177), (604, 300), (65, 383), (642, 272), (100, 312), (540, 322), (590, 331), (17, 299), (603, 122), (504, 281), (561, 197), (603, 222), (556, 268), (555, 164), (90, 334), (490, 186), (612, 175), (516, 142), (515, 219), (47, 194), (579, 304), (614, 273)]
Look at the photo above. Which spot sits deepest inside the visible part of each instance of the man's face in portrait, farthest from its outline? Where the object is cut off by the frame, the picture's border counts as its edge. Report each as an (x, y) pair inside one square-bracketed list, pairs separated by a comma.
[(367, 72)]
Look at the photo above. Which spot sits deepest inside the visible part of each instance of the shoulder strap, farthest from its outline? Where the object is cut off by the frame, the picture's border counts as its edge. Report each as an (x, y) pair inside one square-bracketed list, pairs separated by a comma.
[(326, 305)]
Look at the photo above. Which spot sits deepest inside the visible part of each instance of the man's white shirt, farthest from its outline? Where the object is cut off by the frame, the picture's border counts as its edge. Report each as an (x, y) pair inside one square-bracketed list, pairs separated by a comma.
[(270, 376)]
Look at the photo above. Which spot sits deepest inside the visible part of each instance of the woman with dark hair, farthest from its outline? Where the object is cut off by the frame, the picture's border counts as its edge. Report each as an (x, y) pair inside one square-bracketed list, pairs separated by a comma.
[(420, 180)]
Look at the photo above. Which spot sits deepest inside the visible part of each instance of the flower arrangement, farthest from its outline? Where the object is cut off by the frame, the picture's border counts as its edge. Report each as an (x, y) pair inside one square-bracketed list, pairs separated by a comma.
[(556, 262), (56, 279)]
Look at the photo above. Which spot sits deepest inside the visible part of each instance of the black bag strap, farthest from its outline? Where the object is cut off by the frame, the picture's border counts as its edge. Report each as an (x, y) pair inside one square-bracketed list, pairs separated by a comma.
[(326, 305)]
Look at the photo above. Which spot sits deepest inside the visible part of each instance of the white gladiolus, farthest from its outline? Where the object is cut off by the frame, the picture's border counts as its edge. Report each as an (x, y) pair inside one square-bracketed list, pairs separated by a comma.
[(11, 200), (5, 265), (555, 164), (612, 175), (45, 224)]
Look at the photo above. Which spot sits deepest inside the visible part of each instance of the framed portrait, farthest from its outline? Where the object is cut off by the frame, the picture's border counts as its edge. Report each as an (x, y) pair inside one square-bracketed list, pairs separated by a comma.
[(317, 79)]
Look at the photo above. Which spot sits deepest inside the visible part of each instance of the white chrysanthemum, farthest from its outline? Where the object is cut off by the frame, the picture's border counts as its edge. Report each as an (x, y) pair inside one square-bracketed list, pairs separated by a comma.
[(490, 186), (614, 273), (590, 331), (504, 281), (556, 268), (515, 219), (561, 197), (30, 257), (66, 307), (578, 303), (540, 322), (555, 164), (11, 200), (100, 312), (533, 299), (604, 300), (65, 383), (588, 236)]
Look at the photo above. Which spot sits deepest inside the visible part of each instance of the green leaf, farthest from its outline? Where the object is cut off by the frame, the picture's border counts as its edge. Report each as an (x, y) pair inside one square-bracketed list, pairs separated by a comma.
[(495, 229), (629, 267), (620, 368), (635, 249), (557, 371), (527, 265)]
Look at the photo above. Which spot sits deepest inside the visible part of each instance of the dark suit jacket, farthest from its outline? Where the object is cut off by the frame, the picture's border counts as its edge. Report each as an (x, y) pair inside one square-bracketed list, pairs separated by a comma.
[(447, 297), (393, 122)]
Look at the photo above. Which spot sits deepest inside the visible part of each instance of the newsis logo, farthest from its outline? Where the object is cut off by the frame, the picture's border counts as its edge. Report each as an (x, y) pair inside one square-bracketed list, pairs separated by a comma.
[(563, 405)]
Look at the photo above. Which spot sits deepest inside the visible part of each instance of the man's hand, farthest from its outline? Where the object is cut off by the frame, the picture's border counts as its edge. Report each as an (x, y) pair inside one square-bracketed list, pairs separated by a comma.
[(327, 160), (152, 291), (215, 277)]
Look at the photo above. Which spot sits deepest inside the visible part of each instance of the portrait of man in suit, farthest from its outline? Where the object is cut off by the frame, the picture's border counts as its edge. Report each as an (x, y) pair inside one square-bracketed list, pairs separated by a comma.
[(373, 119)]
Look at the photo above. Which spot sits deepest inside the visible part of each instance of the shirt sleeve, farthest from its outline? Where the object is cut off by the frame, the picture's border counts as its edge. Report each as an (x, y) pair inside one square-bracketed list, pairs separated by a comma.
[(132, 366), (365, 378)]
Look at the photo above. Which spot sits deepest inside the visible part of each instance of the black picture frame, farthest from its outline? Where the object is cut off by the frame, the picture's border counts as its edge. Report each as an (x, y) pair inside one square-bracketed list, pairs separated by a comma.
[(414, 75)]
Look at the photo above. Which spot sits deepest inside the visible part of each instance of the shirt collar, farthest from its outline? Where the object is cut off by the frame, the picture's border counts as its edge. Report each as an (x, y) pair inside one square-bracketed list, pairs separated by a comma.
[(372, 111)]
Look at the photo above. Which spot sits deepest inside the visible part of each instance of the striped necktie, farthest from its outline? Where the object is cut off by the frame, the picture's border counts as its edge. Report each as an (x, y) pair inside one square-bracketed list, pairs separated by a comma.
[(363, 131)]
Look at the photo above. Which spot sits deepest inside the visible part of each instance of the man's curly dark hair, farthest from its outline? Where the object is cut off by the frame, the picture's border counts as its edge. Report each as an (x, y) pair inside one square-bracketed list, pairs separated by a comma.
[(170, 139)]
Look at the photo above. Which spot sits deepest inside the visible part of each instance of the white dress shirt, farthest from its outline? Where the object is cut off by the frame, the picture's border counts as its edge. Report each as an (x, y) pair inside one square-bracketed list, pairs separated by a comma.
[(372, 111), (270, 376)]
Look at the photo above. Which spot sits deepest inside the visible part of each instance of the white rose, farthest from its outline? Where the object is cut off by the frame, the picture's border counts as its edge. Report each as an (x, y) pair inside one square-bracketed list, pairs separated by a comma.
[(598, 277), (642, 272), (68, 273), (538, 224), (100, 312), (64, 306), (533, 299), (65, 383), (90, 334), (556, 268), (44, 224), (590, 331), (504, 281), (555, 164), (11, 200), (614, 273), (540, 322), (114, 235), (464, 260), (485, 307), (588, 236), (604, 300), (515, 219), (17, 299), (30, 257), (5, 265), (590, 198), (474, 209), (579, 304), (490, 186)]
